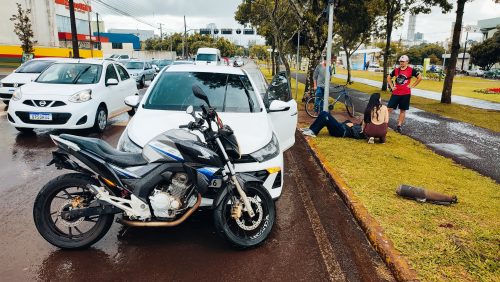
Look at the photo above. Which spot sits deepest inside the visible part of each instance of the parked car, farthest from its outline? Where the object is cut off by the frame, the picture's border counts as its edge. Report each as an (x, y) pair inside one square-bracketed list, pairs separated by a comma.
[(238, 62), (72, 94), (375, 68), (208, 56), (237, 99), (492, 73), (162, 63), (120, 58), (141, 71), (475, 72), (27, 72), (182, 62)]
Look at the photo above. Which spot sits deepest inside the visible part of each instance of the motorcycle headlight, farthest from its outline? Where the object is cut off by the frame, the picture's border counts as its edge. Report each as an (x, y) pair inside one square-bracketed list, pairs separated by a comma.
[(127, 145), (17, 95), (82, 96), (271, 150)]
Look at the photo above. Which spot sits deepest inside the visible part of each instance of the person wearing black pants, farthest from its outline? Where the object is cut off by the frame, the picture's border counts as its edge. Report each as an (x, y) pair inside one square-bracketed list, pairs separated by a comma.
[(335, 128)]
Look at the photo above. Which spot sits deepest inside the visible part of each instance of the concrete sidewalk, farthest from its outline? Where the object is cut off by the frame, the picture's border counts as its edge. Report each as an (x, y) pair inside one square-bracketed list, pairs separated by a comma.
[(476, 103)]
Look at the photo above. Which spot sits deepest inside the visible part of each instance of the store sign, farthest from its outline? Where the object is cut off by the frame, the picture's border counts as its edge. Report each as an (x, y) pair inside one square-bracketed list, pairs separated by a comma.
[(79, 7)]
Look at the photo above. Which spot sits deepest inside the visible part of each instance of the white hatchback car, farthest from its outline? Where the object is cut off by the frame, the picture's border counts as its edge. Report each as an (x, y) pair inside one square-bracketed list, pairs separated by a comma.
[(263, 122), (72, 94), (25, 73)]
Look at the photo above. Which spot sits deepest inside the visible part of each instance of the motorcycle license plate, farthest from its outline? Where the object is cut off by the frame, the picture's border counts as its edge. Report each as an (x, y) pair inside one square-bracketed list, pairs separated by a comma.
[(215, 183), (40, 116)]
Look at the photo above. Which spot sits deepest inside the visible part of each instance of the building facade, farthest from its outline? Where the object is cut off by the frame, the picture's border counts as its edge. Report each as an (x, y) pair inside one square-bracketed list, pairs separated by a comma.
[(141, 33)]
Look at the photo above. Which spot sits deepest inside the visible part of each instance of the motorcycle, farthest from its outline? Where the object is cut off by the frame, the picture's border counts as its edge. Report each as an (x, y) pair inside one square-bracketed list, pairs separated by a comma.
[(160, 187)]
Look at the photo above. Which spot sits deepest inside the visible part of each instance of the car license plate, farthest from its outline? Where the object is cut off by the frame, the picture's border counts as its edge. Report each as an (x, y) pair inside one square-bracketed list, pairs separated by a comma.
[(12, 89), (40, 116)]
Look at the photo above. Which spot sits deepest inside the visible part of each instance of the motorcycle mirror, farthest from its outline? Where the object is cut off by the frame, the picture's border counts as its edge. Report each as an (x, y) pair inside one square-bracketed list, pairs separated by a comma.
[(189, 110), (198, 92)]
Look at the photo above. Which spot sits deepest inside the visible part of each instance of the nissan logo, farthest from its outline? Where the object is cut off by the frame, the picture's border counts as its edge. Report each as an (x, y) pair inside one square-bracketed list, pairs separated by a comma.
[(42, 103)]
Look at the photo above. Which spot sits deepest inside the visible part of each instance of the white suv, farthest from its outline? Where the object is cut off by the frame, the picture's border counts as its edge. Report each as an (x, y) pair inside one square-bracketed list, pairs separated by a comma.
[(72, 94), (263, 122)]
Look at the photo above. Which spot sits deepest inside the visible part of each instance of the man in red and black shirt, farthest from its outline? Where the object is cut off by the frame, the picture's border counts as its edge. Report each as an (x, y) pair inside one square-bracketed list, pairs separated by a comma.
[(401, 89)]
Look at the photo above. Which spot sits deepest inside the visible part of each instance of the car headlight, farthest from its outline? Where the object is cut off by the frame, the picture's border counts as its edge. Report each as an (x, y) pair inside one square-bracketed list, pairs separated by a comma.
[(82, 96), (127, 145), (271, 150), (17, 95)]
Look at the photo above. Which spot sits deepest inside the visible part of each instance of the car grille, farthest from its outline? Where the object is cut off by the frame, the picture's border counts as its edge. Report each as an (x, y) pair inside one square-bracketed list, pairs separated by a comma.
[(12, 84), (57, 118), (5, 96), (44, 103)]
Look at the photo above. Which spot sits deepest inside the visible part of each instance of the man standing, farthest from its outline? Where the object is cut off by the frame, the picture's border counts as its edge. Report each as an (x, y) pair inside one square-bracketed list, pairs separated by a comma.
[(401, 90), (319, 85)]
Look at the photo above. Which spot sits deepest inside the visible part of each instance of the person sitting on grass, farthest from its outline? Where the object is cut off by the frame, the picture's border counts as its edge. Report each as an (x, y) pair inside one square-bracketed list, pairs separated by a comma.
[(376, 119), (335, 128)]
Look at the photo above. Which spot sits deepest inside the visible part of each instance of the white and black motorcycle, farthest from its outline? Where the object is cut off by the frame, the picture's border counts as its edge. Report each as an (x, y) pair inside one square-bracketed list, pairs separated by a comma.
[(162, 186)]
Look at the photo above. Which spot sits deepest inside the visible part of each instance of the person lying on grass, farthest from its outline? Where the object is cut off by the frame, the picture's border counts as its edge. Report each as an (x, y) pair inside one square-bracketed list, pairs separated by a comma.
[(350, 130), (376, 119)]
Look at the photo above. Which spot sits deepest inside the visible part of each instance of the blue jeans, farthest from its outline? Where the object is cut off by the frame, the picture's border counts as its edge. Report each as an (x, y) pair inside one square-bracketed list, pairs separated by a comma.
[(318, 101), (335, 128)]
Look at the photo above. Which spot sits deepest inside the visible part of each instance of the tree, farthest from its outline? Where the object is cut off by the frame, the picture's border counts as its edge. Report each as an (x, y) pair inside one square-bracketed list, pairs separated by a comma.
[(227, 49), (23, 30), (487, 53), (354, 27), (259, 51), (394, 11), (455, 46), (418, 53)]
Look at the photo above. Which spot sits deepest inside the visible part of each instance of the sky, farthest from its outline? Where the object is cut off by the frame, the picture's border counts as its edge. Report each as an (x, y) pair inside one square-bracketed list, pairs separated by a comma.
[(199, 13)]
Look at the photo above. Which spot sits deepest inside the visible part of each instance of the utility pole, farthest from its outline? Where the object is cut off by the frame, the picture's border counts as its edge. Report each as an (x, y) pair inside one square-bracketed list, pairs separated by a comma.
[(184, 43), (74, 39), (328, 55), (98, 33), (161, 37), (90, 33)]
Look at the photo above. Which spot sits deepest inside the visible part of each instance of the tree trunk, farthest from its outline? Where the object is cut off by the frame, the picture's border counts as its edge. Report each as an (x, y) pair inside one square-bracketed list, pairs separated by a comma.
[(348, 57), (273, 63), (452, 63), (387, 50), (287, 65)]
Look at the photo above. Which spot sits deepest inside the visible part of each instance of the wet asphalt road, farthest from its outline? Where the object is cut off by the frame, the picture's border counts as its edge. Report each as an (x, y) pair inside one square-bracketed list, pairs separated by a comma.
[(315, 237), (471, 146)]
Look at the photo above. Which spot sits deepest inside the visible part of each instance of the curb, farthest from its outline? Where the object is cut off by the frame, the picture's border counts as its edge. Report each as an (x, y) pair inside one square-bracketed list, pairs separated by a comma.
[(374, 232)]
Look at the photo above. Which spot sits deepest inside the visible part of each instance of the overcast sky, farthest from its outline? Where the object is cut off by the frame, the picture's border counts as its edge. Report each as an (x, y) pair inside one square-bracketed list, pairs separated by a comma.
[(435, 26)]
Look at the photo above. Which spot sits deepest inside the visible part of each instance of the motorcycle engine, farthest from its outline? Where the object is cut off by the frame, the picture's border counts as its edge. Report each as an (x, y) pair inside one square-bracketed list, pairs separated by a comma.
[(166, 200)]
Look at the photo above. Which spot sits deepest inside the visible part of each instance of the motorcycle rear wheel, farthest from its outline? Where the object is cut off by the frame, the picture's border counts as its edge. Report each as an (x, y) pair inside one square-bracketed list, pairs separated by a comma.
[(59, 195), (246, 232)]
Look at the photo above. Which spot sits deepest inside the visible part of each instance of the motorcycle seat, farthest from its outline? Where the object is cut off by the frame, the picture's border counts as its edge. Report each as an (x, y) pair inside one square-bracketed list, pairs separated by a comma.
[(105, 151)]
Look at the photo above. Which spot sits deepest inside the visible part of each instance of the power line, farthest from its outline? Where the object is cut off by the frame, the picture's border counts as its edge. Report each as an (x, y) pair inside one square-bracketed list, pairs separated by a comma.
[(123, 13)]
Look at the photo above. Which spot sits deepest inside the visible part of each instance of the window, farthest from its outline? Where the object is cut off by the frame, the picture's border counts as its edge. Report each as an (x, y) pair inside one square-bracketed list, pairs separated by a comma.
[(110, 72), (279, 89), (64, 25), (34, 66), (206, 57), (117, 45), (122, 72), (68, 73), (226, 92), (135, 65)]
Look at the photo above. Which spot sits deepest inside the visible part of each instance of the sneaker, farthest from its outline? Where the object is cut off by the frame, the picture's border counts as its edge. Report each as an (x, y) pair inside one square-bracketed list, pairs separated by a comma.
[(308, 132), (371, 140), (304, 128), (398, 129)]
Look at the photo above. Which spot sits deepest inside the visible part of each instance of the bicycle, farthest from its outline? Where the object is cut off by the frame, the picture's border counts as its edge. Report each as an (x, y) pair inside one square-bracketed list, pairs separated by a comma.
[(314, 105)]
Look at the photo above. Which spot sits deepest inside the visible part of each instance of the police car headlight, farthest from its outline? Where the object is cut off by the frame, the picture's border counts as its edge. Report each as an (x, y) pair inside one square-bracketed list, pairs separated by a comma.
[(127, 145)]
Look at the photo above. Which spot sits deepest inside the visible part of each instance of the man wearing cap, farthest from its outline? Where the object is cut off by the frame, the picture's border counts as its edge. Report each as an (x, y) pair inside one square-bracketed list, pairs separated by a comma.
[(401, 89)]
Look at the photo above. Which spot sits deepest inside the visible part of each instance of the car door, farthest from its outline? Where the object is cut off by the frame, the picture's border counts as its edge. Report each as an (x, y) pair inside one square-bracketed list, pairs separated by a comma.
[(129, 85), (150, 71), (284, 122), (112, 95)]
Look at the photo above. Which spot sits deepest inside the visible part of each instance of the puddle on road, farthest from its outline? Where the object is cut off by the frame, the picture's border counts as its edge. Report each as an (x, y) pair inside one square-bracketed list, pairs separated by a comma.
[(472, 131), (454, 149), (414, 115)]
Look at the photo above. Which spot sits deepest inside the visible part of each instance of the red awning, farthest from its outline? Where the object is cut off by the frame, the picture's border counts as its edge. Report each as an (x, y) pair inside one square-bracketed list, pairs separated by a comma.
[(81, 37)]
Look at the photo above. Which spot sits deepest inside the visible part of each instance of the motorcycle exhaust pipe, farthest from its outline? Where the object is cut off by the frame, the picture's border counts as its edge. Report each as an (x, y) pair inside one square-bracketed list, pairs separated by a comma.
[(134, 223), (423, 195)]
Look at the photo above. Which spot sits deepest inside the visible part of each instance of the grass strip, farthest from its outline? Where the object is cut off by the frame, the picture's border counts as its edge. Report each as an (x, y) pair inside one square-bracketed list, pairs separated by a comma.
[(462, 85)]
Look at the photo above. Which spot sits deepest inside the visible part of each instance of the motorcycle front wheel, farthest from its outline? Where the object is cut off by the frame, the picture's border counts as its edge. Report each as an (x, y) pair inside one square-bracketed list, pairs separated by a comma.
[(234, 223), (66, 192)]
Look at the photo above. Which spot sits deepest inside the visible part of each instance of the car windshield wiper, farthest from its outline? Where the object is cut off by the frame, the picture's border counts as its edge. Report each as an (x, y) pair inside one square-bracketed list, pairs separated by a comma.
[(80, 74)]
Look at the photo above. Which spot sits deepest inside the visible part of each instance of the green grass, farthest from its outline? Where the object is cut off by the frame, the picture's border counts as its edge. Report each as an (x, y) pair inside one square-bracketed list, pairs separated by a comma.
[(489, 119), (462, 85), (457, 243), (468, 250)]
